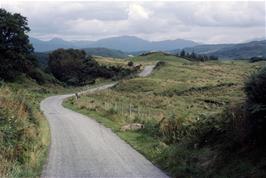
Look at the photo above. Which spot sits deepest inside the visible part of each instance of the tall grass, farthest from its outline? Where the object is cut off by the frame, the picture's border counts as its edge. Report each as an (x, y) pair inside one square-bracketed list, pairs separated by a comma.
[(24, 134)]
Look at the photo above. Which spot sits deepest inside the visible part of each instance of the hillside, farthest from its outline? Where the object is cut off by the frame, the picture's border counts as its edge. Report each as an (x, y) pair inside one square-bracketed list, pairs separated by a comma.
[(232, 51), (105, 52), (178, 104), (122, 43), (242, 51), (206, 49)]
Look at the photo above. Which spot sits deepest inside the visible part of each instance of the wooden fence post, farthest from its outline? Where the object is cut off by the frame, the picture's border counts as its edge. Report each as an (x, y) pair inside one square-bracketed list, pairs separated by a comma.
[(130, 110)]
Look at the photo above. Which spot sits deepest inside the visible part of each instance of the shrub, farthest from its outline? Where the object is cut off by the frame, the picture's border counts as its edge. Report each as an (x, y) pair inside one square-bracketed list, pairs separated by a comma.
[(255, 89), (159, 64), (228, 128), (257, 59), (37, 75), (173, 129), (130, 63)]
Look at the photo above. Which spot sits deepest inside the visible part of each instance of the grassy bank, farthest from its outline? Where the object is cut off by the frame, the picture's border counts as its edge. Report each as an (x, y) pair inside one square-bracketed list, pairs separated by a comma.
[(170, 103), (24, 131)]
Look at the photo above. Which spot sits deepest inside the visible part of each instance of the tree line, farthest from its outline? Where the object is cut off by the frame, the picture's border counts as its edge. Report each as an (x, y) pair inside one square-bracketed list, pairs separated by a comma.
[(196, 57)]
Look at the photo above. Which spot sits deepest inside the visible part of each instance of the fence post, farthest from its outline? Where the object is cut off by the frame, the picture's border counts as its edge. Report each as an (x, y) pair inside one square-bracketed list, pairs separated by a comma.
[(130, 110)]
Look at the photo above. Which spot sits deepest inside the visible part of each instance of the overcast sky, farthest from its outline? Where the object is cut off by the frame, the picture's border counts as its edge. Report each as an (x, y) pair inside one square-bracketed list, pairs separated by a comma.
[(207, 22)]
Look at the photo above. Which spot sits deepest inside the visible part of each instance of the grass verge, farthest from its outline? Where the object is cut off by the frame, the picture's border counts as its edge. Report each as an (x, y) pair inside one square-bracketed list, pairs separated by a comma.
[(143, 143), (24, 133)]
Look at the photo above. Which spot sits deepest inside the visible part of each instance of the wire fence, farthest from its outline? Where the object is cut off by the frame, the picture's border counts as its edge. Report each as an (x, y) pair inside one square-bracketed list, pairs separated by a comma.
[(127, 110)]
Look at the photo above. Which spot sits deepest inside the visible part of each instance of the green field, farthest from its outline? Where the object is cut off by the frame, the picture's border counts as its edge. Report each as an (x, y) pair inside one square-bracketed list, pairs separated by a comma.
[(178, 94)]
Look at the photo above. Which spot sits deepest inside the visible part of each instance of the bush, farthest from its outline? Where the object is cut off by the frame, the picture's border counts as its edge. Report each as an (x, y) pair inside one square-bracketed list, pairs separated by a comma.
[(130, 63), (159, 64), (257, 59), (37, 75), (255, 89)]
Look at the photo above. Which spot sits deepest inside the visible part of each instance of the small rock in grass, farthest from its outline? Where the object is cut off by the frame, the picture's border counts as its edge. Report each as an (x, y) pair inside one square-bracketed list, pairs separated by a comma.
[(133, 126)]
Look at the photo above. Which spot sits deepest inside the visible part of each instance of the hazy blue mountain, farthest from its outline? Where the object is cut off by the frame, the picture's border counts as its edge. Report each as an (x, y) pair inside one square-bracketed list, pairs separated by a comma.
[(133, 44), (206, 49), (123, 43), (55, 43), (81, 43), (178, 43)]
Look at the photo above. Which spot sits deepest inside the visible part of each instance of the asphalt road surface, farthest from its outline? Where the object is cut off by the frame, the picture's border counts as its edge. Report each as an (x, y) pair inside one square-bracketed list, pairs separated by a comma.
[(81, 147), (147, 71)]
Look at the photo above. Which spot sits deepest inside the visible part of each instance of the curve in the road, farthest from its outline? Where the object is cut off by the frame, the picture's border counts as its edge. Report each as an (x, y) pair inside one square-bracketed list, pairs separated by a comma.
[(146, 71), (81, 147)]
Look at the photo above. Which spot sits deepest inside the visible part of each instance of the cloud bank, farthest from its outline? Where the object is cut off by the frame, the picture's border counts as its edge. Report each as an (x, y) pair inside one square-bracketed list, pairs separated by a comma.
[(207, 22)]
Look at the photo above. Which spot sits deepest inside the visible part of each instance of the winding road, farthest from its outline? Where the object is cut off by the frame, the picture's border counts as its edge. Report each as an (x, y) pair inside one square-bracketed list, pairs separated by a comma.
[(146, 71), (81, 147)]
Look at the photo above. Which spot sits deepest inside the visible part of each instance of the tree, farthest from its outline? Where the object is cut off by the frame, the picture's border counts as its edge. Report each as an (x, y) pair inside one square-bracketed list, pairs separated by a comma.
[(68, 65), (16, 53), (183, 53), (193, 55)]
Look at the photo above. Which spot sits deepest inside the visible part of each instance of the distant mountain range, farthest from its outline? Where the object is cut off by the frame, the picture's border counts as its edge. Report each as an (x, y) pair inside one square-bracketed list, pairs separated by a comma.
[(123, 43), (121, 47)]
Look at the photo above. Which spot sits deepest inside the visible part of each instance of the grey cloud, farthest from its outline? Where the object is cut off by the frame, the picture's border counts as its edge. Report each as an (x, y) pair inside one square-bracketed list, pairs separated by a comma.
[(216, 22), (214, 13)]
